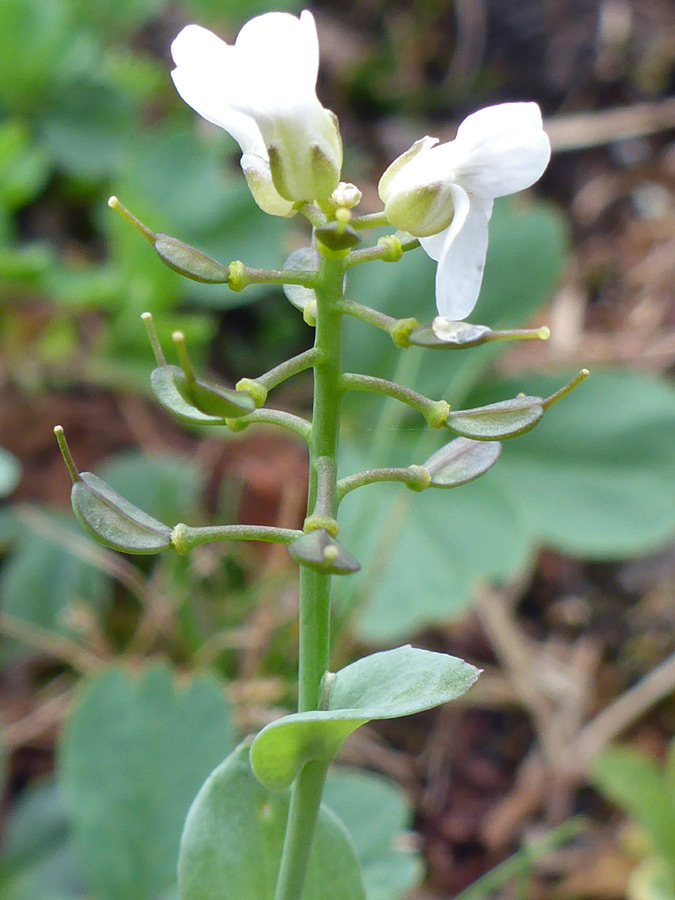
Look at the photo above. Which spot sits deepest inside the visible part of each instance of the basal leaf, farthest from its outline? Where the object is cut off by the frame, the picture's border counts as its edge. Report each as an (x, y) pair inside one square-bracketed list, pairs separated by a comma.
[(231, 844), (377, 817), (133, 756)]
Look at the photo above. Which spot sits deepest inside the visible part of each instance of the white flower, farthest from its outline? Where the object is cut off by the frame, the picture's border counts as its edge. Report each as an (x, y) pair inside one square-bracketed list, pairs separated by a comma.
[(443, 194), (262, 91)]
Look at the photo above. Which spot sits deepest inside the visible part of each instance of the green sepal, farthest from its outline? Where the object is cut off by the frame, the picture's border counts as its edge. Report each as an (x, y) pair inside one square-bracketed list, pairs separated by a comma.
[(338, 236), (199, 402), (460, 461), (498, 421), (381, 686), (232, 840), (464, 334), (319, 551), (188, 261), (113, 521)]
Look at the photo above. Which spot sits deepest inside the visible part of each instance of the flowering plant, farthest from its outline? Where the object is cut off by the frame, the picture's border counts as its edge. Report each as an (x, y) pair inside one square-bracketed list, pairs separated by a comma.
[(257, 829)]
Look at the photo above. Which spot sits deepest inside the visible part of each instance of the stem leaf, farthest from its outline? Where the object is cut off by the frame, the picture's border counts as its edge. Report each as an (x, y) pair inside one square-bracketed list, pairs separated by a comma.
[(380, 686), (231, 844)]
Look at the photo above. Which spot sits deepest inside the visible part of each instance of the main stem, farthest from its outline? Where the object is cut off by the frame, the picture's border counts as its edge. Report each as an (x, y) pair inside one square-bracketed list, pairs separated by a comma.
[(314, 639)]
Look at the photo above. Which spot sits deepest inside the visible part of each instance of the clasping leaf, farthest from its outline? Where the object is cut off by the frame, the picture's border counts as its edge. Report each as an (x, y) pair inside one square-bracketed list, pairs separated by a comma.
[(381, 686)]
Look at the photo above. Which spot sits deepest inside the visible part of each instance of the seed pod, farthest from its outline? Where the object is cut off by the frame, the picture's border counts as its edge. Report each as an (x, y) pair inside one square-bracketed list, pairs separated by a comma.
[(319, 551)]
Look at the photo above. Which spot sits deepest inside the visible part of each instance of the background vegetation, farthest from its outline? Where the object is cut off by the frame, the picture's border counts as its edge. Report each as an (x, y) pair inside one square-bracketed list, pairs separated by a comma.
[(553, 572)]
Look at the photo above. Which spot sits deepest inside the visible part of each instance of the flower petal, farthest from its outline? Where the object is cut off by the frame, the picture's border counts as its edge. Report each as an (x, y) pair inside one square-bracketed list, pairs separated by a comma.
[(502, 149), (461, 262), (204, 64), (434, 244), (281, 56)]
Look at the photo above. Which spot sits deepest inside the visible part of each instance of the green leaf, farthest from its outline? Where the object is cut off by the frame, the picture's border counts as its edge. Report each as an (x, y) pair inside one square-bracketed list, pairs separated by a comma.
[(167, 487), (88, 128), (596, 478), (653, 879), (635, 783), (231, 845), (43, 581), (377, 817), (23, 166), (134, 754), (421, 554), (36, 857), (111, 520), (10, 472), (381, 686)]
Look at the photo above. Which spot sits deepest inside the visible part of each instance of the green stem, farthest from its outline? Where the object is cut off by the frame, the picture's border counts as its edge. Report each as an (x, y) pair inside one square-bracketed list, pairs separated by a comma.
[(397, 329), (434, 411), (414, 477), (314, 638), (184, 538), (296, 424), (302, 815), (370, 220), (287, 369), (389, 249)]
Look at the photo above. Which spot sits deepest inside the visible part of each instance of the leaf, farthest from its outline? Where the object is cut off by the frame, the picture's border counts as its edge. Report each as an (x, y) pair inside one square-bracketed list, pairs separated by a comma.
[(166, 487), (376, 815), (10, 472), (36, 857), (231, 844), (421, 554), (597, 477), (42, 581), (634, 783), (134, 754), (385, 685)]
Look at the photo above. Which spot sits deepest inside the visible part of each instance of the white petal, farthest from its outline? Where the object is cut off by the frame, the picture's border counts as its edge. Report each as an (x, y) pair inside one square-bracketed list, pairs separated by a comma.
[(204, 64), (503, 117), (462, 260), (279, 56), (434, 244), (502, 149)]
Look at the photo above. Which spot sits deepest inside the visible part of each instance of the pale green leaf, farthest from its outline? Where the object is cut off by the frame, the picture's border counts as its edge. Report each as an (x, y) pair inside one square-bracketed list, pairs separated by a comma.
[(231, 845), (376, 814), (384, 685), (133, 756)]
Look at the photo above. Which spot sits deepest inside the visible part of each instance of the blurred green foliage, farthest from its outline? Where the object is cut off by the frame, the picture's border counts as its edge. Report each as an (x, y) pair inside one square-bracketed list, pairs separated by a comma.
[(87, 109), (646, 793)]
